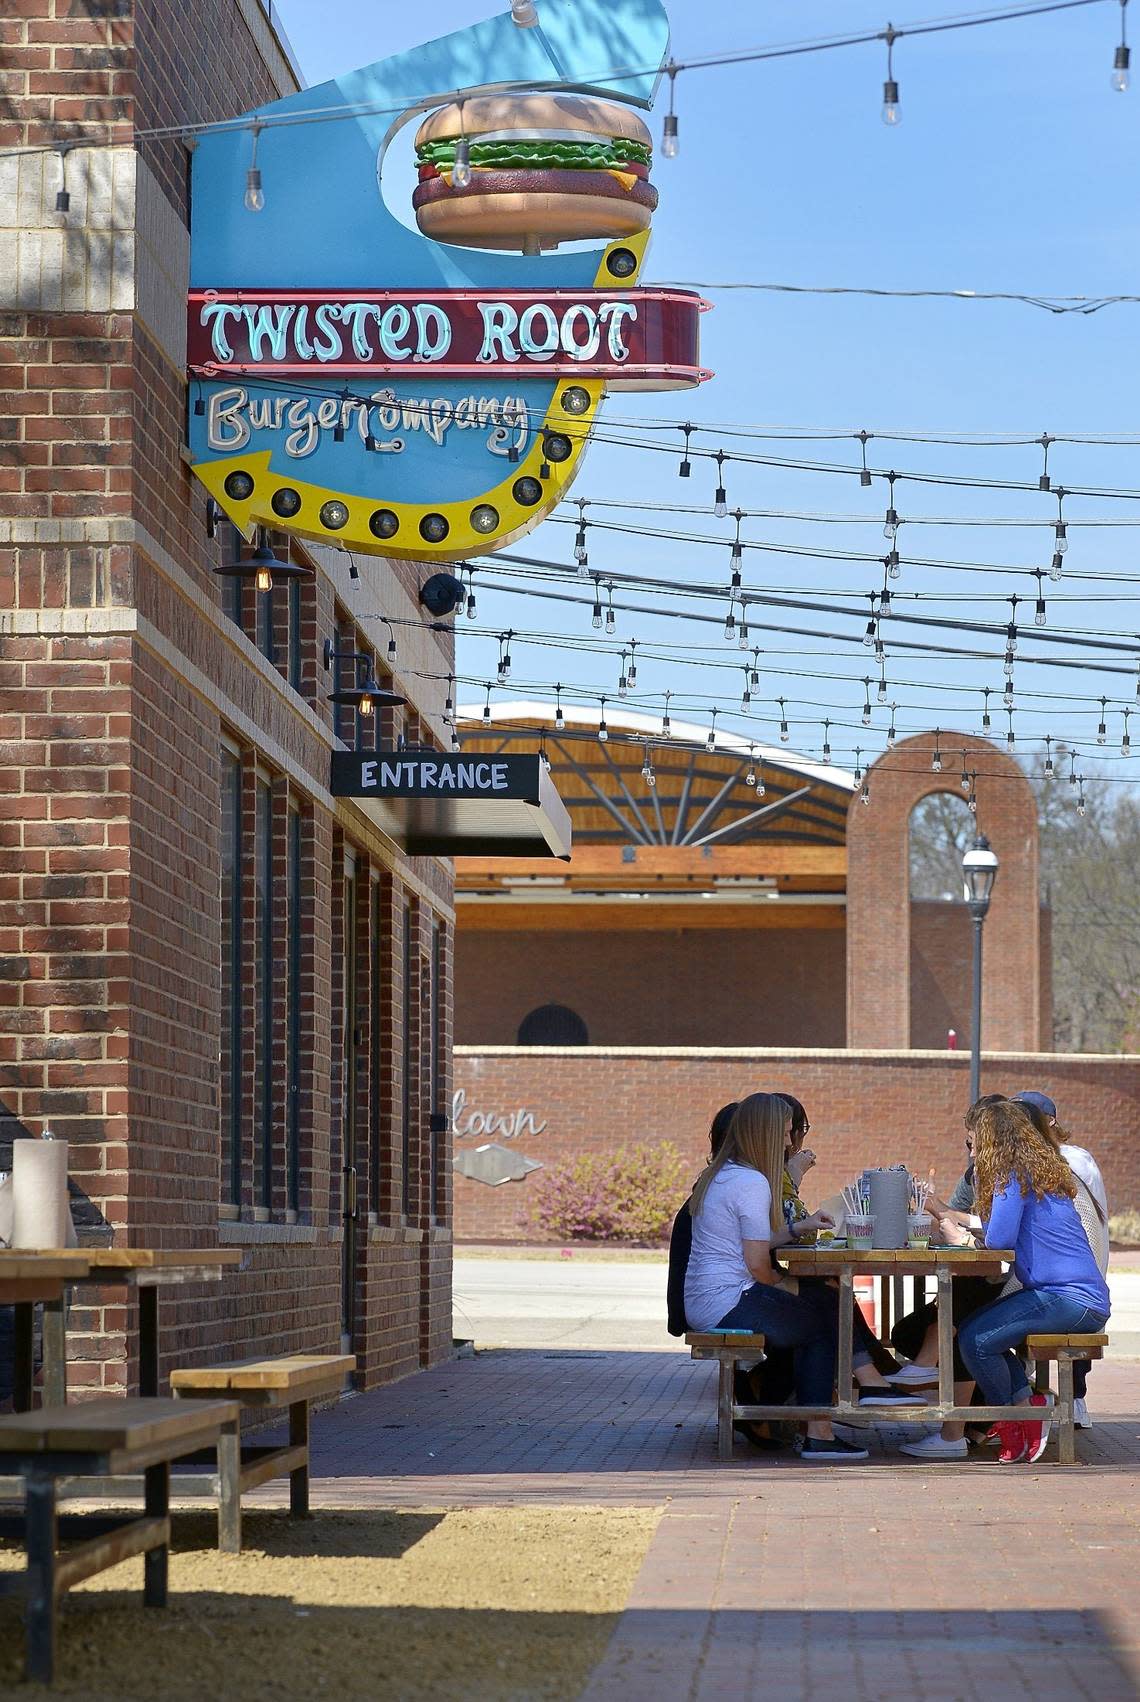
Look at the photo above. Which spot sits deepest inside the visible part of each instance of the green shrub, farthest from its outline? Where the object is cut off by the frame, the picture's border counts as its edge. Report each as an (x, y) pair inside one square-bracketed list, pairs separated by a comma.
[(631, 1194)]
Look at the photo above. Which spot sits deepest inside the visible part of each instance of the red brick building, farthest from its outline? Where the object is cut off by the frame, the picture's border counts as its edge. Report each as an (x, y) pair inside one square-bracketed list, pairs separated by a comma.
[(228, 990)]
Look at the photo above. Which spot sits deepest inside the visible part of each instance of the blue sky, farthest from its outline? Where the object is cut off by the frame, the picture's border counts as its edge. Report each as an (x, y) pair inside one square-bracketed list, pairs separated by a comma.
[(1010, 171)]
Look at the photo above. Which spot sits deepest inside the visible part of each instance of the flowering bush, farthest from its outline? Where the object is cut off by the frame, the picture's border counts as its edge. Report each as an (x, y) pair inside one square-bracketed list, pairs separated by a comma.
[(628, 1195)]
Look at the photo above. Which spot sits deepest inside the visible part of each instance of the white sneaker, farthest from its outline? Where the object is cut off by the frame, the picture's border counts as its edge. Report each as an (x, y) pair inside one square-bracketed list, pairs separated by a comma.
[(935, 1447), (921, 1376), (1081, 1414)]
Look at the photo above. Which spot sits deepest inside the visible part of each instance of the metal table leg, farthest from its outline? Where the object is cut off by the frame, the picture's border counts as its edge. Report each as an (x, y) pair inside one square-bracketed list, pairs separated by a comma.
[(843, 1374), (945, 1337), (148, 1340), (24, 1356), (55, 1352)]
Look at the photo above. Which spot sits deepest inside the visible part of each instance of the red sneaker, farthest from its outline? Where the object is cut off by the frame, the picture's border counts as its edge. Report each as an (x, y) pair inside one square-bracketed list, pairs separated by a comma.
[(1036, 1432), (1013, 1444)]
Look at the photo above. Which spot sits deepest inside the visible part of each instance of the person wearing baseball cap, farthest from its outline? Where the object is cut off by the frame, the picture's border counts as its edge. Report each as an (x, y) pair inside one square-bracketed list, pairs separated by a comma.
[(1092, 1209)]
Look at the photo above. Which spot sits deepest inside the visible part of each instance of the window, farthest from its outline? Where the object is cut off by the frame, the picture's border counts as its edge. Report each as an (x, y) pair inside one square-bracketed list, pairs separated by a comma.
[(553, 1025), (376, 1059), (293, 1015), (231, 1011), (263, 992), (409, 1064), (436, 1074)]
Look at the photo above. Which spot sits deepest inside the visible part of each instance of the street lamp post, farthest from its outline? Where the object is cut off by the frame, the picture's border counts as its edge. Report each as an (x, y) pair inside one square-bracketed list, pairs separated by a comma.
[(979, 867)]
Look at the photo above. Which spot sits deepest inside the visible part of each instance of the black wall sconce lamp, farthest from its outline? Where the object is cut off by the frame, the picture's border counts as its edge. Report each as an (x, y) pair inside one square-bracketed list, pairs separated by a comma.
[(365, 698), (263, 567)]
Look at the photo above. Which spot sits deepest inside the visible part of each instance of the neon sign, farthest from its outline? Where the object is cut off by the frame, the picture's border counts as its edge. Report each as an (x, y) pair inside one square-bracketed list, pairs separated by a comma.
[(437, 386)]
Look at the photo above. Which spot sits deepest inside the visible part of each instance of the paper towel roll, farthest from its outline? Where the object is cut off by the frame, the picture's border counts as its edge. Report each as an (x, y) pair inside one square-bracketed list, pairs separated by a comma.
[(40, 1212), (889, 1192)]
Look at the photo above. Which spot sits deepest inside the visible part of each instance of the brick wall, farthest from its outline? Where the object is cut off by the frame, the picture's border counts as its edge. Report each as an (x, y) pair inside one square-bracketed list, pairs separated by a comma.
[(121, 673), (864, 1109)]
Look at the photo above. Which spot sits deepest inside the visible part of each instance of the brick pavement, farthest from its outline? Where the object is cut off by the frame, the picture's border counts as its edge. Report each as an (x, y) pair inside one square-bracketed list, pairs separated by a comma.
[(895, 1579)]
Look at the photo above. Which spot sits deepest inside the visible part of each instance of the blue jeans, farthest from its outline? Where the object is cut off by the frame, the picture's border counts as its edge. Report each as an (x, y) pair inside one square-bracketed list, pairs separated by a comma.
[(986, 1338), (806, 1323)]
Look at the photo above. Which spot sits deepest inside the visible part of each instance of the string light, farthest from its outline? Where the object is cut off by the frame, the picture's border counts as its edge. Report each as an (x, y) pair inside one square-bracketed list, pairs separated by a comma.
[(1049, 769), (885, 593), (972, 800), (750, 777), (254, 197), (580, 553), (865, 794), (596, 616), (1011, 630), (1122, 57), (631, 672), (882, 687), (611, 618), (670, 141), (1102, 730), (742, 641), (1009, 739), (891, 520), (455, 744), (730, 621), (826, 741), (1081, 797), (1126, 741), (710, 742), (746, 698), (858, 765), (449, 705), (1039, 613), (470, 594), (559, 717), (892, 736), (647, 773), (755, 671), (864, 471), (504, 657), (686, 467), (623, 683), (872, 624), (736, 555), (965, 775), (487, 709), (784, 734), (866, 701), (62, 198), (666, 724), (1072, 768), (1044, 483), (603, 730), (891, 114), (720, 501), (936, 760)]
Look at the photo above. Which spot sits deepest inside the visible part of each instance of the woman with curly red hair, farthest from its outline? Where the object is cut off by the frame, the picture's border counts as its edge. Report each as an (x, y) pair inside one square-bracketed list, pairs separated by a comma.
[(1025, 1191)]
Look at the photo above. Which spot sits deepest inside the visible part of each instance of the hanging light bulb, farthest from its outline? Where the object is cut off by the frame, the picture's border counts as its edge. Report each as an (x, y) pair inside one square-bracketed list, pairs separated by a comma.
[(1126, 741), (893, 566), (1081, 797), (621, 677), (754, 671), (736, 555), (596, 617), (742, 641), (647, 773), (254, 198), (891, 520), (543, 758), (1102, 730), (858, 765), (965, 776), (882, 690), (885, 593), (62, 198), (867, 701), (972, 800), (455, 744), (746, 697), (611, 618), (559, 718), (936, 760), (1039, 615), (865, 794), (892, 736), (1009, 739), (864, 471), (750, 777), (461, 170), (670, 142), (449, 705), (1072, 768), (580, 553), (470, 595), (631, 672), (1121, 58), (710, 742), (685, 469), (986, 709), (1060, 541), (730, 622), (1049, 769), (784, 734), (720, 501), (826, 741), (487, 709), (666, 724), (504, 660), (1011, 630), (873, 623), (891, 113), (603, 730)]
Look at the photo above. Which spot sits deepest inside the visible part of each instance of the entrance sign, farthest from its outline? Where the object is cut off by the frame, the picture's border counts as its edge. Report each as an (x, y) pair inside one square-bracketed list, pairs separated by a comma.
[(429, 392), (453, 806)]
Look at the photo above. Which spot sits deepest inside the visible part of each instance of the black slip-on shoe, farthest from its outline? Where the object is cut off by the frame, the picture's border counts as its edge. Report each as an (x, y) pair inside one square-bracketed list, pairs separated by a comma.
[(815, 1451)]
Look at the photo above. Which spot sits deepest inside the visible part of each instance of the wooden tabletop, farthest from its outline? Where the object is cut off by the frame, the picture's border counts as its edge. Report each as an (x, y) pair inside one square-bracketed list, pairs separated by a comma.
[(159, 1258), (23, 1264), (102, 1426), (894, 1261)]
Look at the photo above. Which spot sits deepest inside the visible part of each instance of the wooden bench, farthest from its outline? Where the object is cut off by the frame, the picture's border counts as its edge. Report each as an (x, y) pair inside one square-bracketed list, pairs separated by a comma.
[(292, 1380), (1064, 1349), (102, 1438), (728, 1347)]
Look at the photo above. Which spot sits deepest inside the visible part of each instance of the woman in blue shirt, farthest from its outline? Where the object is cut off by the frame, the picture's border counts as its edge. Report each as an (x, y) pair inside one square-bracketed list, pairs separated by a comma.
[(1025, 1194)]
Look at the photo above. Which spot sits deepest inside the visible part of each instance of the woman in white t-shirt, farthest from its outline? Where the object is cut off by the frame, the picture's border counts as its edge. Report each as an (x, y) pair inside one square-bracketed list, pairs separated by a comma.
[(732, 1283)]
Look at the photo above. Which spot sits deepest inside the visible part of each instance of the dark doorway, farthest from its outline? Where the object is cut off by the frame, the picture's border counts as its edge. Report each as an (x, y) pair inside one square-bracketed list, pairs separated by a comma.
[(553, 1025)]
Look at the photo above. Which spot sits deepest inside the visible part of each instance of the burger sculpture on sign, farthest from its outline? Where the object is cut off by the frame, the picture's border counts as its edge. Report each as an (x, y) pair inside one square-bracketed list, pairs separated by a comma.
[(429, 392)]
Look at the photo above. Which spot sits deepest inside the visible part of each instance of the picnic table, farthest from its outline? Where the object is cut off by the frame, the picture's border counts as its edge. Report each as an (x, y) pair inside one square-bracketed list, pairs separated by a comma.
[(943, 1263), (144, 1270)]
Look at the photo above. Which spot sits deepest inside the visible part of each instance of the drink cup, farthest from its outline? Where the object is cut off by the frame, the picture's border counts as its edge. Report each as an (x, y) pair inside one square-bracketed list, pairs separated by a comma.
[(860, 1233), (918, 1226)]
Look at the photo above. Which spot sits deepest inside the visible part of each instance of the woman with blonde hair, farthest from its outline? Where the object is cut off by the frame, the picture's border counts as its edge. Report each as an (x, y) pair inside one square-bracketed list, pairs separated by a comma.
[(733, 1284), (1025, 1193)]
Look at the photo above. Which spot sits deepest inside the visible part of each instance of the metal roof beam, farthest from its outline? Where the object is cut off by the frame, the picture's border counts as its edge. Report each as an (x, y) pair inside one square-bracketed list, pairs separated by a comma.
[(768, 812)]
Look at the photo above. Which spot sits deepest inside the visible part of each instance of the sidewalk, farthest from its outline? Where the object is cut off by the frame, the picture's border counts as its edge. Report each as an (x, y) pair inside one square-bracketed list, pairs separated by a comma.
[(890, 1580)]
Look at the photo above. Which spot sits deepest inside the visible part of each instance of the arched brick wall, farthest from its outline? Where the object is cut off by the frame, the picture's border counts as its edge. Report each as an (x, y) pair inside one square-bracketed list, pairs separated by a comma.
[(878, 897)]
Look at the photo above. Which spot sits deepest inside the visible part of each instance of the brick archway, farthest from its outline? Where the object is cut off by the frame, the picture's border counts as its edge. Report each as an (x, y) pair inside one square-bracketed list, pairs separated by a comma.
[(878, 894)]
